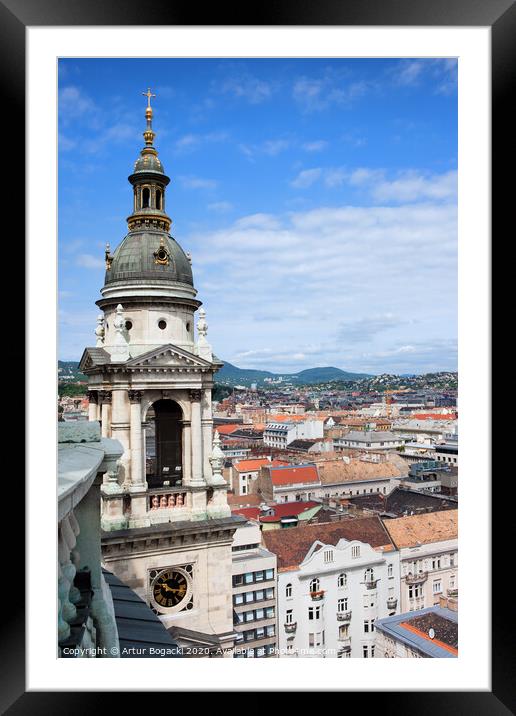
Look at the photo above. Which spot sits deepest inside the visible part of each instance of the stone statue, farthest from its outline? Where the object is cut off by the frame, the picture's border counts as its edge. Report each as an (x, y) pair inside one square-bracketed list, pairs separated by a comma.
[(100, 331), (203, 347)]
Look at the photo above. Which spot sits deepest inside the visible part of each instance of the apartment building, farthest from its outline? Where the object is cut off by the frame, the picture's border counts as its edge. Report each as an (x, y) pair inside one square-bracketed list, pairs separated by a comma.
[(428, 552), (279, 434), (328, 477), (254, 594), (243, 472), (377, 440), (334, 581), (425, 633)]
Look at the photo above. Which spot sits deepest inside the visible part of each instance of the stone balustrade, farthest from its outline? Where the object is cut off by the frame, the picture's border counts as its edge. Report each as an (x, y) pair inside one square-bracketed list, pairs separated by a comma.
[(167, 500), (86, 625)]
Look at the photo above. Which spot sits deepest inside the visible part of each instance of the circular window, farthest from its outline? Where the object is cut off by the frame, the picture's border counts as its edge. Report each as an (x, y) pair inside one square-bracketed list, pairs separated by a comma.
[(162, 324), (162, 254), (128, 325)]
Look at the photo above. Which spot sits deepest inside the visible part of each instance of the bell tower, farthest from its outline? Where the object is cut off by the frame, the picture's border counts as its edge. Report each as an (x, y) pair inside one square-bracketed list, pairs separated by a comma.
[(166, 522)]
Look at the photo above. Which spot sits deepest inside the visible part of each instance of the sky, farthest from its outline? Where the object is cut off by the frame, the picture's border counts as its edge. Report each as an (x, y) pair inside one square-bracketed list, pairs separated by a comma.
[(318, 199)]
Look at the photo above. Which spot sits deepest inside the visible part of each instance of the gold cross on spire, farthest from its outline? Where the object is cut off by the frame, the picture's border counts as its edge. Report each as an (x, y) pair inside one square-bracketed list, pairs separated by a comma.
[(148, 94)]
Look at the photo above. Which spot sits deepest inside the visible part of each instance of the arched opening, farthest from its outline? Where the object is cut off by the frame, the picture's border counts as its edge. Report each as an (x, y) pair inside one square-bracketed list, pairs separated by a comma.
[(163, 444), (158, 199), (145, 198)]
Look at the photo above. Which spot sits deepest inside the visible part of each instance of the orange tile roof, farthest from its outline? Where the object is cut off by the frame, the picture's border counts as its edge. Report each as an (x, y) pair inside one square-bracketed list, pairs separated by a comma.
[(297, 474), (420, 529), (433, 416), (255, 465), (227, 429)]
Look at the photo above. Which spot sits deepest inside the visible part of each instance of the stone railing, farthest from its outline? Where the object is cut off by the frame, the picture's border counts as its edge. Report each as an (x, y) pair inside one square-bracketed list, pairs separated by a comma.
[(86, 622), (371, 583), (167, 500), (344, 616), (392, 603), (290, 628), (416, 578)]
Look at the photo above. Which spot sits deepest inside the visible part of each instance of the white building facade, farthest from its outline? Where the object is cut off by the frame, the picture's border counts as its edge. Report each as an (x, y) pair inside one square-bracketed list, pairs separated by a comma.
[(328, 605)]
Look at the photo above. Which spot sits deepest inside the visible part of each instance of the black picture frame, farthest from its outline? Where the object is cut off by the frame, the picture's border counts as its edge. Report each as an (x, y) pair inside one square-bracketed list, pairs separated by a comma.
[(500, 16)]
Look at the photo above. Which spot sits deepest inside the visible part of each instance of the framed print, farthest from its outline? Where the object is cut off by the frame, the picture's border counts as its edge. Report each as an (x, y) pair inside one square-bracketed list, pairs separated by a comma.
[(305, 174)]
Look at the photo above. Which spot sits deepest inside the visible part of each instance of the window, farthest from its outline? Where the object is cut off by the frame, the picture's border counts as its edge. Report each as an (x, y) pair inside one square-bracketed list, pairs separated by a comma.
[(314, 613), (238, 579), (314, 585), (269, 612), (288, 591), (244, 489), (238, 599), (415, 591), (289, 617), (436, 563), (437, 587), (259, 595), (162, 325), (342, 605), (258, 576), (269, 574), (365, 652), (328, 556), (249, 597), (270, 630), (128, 325), (259, 614), (342, 580), (389, 570), (248, 578), (158, 199), (355, 550), (269, 593), (145, 198), (316, 639), (369, 575)]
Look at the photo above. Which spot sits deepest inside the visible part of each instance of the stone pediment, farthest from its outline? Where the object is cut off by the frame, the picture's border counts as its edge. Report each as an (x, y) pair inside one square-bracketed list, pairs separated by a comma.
[(167, 356), (92, 358)]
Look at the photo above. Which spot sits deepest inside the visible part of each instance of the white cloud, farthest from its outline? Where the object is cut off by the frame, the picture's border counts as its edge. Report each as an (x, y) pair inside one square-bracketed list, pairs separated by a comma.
[(193, 182), (220, 206), (317, 94), (306, 178), (413, 186), (316, 146), (89, 261), (247, 87), (340, 285)]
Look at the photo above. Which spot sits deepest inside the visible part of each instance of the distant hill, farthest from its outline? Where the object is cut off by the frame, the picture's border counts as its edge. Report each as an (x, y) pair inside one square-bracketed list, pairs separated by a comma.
[(231, 375), (68, 370)]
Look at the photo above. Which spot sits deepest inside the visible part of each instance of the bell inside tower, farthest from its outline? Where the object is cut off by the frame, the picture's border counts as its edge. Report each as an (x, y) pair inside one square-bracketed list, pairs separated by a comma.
[(163, 444)]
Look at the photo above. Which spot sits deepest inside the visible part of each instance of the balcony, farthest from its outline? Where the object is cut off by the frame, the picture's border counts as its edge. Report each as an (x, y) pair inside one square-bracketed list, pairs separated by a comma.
[(344, 616), (345, 650), (392, 603), (416, 578), (371, 583), (317, 596), (454, 593), (344, 641), (290, 628)]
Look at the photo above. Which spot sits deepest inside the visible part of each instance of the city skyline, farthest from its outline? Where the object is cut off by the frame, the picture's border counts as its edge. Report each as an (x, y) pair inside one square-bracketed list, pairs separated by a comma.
[(317, 198)]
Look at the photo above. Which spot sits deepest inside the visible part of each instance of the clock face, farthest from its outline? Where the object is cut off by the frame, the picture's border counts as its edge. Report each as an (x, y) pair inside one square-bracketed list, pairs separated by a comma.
[(170, 588)]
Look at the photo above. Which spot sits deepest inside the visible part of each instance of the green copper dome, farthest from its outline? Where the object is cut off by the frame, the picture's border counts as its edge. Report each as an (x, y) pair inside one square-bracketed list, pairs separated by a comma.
[(148, 162), (149, 257)]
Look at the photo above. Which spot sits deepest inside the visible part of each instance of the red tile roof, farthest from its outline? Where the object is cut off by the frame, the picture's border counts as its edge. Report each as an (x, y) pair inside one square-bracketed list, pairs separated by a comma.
[(255, 465), (291, 546), (295, 475), (289, 509), (227, 429), (434, 416)]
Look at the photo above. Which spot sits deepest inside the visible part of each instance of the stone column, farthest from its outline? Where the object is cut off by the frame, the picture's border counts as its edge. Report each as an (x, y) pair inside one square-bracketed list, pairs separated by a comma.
[(93, 399), (197, 461), (187, 452), (120, 429), (207, 433), (105, 414), (138, 482)]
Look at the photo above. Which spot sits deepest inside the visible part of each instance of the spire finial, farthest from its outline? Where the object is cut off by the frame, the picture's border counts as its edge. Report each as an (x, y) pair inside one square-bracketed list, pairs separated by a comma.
[(148, 134), (148, 94)]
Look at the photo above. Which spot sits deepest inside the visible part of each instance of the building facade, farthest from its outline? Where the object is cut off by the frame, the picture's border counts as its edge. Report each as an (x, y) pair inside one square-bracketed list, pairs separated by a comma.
[(332, 588), (428, 549), (167, 526), (254, 595)]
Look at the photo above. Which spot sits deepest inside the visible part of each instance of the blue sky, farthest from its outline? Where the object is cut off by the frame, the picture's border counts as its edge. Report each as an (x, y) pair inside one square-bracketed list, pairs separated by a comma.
[(318, 199)]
